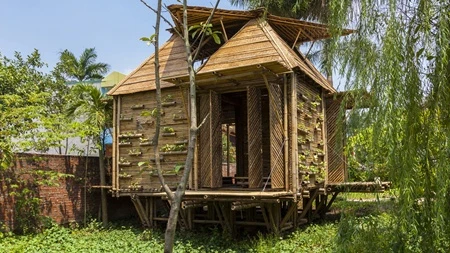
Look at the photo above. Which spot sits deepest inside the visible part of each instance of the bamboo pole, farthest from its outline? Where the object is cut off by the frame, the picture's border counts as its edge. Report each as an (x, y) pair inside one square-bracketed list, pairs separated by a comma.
[(116, 140), (228, 150), (114, 145), (294, 145), (224, 32), (325, 138), (196, 166), (286, 138), (237, 206), (296, 39)]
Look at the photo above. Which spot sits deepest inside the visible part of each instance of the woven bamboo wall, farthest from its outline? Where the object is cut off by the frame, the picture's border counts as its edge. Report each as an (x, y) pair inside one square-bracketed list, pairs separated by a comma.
[(276, 136), (311, 154), (336, 160), (135, 130), (255, 160), (210, 141)]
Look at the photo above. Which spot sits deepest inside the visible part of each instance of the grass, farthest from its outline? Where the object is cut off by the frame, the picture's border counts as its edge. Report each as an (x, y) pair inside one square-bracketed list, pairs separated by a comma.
[(369, 231)]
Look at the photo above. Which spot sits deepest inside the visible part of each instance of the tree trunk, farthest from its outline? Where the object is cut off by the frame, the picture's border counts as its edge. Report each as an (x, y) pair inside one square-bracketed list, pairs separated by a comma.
[(104, 206)]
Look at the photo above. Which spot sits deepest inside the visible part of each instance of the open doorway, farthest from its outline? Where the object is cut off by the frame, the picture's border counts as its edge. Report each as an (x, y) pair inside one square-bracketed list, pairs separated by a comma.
[(245, 139)]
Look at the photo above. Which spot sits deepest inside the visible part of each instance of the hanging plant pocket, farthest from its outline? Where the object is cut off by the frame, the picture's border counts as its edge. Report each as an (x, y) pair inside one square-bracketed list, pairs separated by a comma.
[(136, 107), (167, 104)]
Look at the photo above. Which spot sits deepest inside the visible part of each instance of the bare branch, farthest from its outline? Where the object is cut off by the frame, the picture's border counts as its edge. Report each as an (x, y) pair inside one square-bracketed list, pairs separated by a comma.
[(203, 30), (163, 18), (166, 188)]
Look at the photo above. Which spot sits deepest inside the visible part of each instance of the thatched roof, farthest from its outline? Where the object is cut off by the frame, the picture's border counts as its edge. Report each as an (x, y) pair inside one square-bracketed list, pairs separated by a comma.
[(258, 39), (256, 45), (292, 31), (172, 60)]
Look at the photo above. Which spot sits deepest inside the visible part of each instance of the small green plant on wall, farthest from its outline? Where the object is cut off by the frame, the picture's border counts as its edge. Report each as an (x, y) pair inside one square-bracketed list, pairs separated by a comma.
[(125, 141), (134, 151), (168, 98), (173, 147), (123, 160), (178, 167), (301, 140), (302, 127), (168, 130), (143, 140), (153, 113)]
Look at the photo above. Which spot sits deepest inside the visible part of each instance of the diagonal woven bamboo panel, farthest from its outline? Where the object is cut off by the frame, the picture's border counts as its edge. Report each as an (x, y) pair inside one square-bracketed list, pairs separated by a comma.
[(254, 119), (276, 136), (216, 139), (336, 162), (204, 144), (210, 141)]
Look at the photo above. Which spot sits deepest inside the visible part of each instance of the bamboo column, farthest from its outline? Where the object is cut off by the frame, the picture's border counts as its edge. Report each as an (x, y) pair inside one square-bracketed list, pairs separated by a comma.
[(294, 145)]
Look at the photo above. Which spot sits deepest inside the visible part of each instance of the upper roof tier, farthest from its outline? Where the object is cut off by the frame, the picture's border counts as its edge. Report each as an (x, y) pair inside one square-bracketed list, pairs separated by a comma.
[(292, 31)]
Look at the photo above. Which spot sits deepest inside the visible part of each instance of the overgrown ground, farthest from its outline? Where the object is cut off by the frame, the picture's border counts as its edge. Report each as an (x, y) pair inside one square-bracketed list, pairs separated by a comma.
[(353, 226)]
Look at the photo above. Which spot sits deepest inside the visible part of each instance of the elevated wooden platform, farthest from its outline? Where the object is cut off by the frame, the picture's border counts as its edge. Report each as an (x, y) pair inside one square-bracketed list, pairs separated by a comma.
[(358, 187)]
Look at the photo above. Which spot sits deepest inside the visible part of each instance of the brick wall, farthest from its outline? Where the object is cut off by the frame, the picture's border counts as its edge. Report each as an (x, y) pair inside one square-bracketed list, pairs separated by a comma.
[(65, 202)]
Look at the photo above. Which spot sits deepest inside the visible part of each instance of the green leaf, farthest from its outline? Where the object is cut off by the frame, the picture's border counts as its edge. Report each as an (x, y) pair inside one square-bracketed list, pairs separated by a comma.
[(419, 53), (178, 167), (140, 164), (216, 38)]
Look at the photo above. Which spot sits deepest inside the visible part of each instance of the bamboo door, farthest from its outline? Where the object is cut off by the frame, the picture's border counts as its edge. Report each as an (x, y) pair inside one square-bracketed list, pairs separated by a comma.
[(210, 141), (254, 135), (276, 136), (336, 163)]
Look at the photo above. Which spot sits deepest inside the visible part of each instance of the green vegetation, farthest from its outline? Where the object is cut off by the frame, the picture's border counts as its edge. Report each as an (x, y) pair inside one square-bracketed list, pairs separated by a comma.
[(365, 227)]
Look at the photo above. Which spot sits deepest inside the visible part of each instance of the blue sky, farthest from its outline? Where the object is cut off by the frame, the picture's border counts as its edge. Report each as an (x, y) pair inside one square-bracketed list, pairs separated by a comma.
[(113, 27)]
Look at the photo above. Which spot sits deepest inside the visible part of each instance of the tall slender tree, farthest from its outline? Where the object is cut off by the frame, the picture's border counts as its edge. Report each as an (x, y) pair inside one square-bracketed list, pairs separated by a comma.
[(82, 69), (95, 109)]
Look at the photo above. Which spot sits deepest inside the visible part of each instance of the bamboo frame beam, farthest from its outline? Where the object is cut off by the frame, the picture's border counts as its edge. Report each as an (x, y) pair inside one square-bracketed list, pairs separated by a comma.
[(288, 215), (286, 135), (224, 32), (140, 210), (116, 140), (309, 204), (296, 39), (114, 145), (333, 197), (266, 219), (294, 145)]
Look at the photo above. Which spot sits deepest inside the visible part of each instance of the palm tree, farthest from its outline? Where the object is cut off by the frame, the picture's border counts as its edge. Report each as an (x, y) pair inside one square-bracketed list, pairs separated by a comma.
[(95, 109), (82, 69)]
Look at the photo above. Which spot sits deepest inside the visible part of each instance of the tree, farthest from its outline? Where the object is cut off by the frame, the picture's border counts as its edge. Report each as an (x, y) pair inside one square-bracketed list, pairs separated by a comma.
[(400, 55), (83, 68), (316, 10), (95, 110), (176, 198), (28, 119), (28, 122)]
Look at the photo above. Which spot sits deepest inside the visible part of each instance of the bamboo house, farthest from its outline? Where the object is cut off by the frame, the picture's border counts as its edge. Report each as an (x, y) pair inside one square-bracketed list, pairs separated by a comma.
[(269, 148)]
